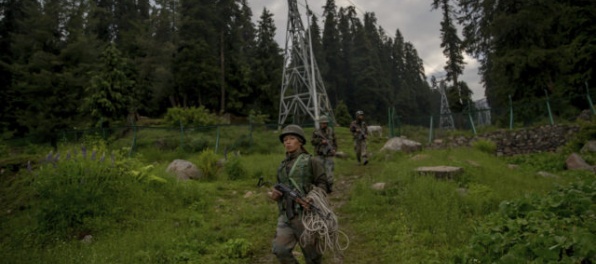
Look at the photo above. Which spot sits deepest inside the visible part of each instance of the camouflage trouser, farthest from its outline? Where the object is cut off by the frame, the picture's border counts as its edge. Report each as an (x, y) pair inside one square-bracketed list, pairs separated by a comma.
[(286, 236), (329, 165), (360, 148)]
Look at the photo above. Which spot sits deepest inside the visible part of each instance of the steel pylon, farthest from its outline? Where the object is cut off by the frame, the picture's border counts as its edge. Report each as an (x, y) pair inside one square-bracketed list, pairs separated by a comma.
[(446, 121), (303, 96)]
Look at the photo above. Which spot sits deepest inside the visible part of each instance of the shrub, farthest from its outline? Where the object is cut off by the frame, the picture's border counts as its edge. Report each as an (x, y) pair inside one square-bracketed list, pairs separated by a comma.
[(256, 118), (85, 192), (237, 248), (342, 115), (208, 164), (486, 146), (235, 169), (191, 116), (558, 227)]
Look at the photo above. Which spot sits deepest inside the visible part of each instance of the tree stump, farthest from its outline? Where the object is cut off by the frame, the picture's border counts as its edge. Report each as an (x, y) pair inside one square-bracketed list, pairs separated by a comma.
[(440, 172)]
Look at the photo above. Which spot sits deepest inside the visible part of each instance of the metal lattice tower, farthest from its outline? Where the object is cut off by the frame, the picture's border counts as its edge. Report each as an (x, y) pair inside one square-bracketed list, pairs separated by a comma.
[(303, 94), (446, 121)]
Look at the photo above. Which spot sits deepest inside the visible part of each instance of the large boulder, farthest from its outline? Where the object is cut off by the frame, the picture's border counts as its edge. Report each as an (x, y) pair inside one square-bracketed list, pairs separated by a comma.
[(184, 170), (401, 144), (590, 146), (576, 162)]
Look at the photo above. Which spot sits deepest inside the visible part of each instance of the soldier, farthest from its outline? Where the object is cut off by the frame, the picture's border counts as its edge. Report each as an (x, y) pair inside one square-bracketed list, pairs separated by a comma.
[(300, 172), (360, 133), (325, 144)]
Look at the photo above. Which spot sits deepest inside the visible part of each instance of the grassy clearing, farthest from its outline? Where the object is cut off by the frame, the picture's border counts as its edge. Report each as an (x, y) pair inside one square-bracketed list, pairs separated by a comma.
[(228, 219)]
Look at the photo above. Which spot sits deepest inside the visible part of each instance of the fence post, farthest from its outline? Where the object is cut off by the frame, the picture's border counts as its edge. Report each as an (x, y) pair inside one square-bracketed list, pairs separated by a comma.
[(430, 131), (550, 114), (471, 119), (389, 122), (134, 138), (510, 113), (590, 99), (181, 135), (217, 140)]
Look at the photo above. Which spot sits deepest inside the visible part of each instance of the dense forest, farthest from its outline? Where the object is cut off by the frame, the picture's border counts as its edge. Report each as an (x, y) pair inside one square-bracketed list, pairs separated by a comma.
[(84, 63)]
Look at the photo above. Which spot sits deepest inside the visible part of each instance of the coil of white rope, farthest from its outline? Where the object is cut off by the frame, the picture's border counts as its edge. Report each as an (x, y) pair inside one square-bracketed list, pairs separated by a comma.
[(322, 225)]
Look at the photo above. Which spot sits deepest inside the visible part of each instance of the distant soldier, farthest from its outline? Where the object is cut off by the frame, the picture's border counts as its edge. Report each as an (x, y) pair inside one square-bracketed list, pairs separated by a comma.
[(360, 132), (325, 144)]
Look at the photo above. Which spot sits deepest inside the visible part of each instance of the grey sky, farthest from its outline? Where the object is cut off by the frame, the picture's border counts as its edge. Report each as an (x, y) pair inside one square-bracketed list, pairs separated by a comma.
[(414, 18)]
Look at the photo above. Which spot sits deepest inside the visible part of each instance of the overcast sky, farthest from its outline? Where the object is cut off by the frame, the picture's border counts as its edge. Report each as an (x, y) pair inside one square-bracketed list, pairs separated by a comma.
[(414, 18)]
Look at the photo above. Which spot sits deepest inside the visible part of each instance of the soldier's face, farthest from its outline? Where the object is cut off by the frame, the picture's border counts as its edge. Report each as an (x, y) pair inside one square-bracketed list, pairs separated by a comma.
[(323, 125), (360, 117), (291, 143)]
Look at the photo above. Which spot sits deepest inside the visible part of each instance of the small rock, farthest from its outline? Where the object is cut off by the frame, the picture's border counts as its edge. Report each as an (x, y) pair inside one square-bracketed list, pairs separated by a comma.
[(420, 157), (341, 155), (87, 239), (473, 163), (248, 194), (379, 186), (546, 174), (512, 166)]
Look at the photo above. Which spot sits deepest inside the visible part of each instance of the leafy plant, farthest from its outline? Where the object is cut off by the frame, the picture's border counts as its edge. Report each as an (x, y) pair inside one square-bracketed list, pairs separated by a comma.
[(486, 146), (191, 116), (557, 227), (237, 248), (208, 164), (235, 169)]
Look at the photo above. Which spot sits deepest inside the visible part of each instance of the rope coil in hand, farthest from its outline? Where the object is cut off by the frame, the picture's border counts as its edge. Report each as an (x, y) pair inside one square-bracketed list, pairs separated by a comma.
[(322, 225)]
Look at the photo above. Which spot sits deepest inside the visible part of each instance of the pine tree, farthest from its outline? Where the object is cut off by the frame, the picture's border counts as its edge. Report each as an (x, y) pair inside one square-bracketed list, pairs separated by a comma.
[(269, 63), (109, 94), (452, 49)]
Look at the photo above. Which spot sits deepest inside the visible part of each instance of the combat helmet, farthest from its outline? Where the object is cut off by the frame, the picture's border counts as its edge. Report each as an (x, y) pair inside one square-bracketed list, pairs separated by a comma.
[(323, 119), (293, 130), (359, 112)]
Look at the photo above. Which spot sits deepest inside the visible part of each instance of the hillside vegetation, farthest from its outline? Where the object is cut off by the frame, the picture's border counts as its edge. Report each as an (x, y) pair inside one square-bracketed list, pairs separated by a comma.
[(98, 204)]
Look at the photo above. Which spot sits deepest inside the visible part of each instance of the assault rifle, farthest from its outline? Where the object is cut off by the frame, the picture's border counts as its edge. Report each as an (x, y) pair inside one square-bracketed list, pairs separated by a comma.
[(293, 196), (328, 147), (361, 136)]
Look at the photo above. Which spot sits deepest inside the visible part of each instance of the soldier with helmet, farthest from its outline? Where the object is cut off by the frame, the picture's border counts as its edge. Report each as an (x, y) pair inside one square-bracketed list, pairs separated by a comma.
[(325, 144), (360, 132), (305, 174)]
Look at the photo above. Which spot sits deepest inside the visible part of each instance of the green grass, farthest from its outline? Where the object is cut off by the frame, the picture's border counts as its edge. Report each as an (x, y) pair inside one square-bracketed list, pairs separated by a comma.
[(414, 219)]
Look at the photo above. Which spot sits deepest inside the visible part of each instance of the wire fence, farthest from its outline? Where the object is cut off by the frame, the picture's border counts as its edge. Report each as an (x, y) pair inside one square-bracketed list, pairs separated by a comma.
[(190, 139), (545, 111)]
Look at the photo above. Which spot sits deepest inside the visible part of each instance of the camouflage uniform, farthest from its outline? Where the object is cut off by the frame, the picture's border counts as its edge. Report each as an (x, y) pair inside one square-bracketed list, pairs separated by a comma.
[(325, 152), (298, 171), (359, 130)]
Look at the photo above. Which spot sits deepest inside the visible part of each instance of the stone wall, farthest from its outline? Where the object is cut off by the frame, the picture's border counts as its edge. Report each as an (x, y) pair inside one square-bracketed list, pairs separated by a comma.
[(512, 142)]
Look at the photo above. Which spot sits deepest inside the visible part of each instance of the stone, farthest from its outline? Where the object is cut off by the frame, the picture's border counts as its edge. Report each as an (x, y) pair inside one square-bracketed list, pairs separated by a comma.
[(546, 174), (379, 186), (420, 157), (440, 172), (576, 162), (248, 194), (590, 146), (473, 163), (585, 115), (184, 170), (401, 144), (341, 155), (512, 166)]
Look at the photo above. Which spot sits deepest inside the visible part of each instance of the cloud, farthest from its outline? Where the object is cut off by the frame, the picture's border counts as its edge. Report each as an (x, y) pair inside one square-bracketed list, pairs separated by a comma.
[(414, 18)]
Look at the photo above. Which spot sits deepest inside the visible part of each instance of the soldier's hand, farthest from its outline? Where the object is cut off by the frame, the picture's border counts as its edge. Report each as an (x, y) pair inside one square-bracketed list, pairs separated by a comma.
[(275, 194), (332, 152), (324, 142), (306, 203)]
